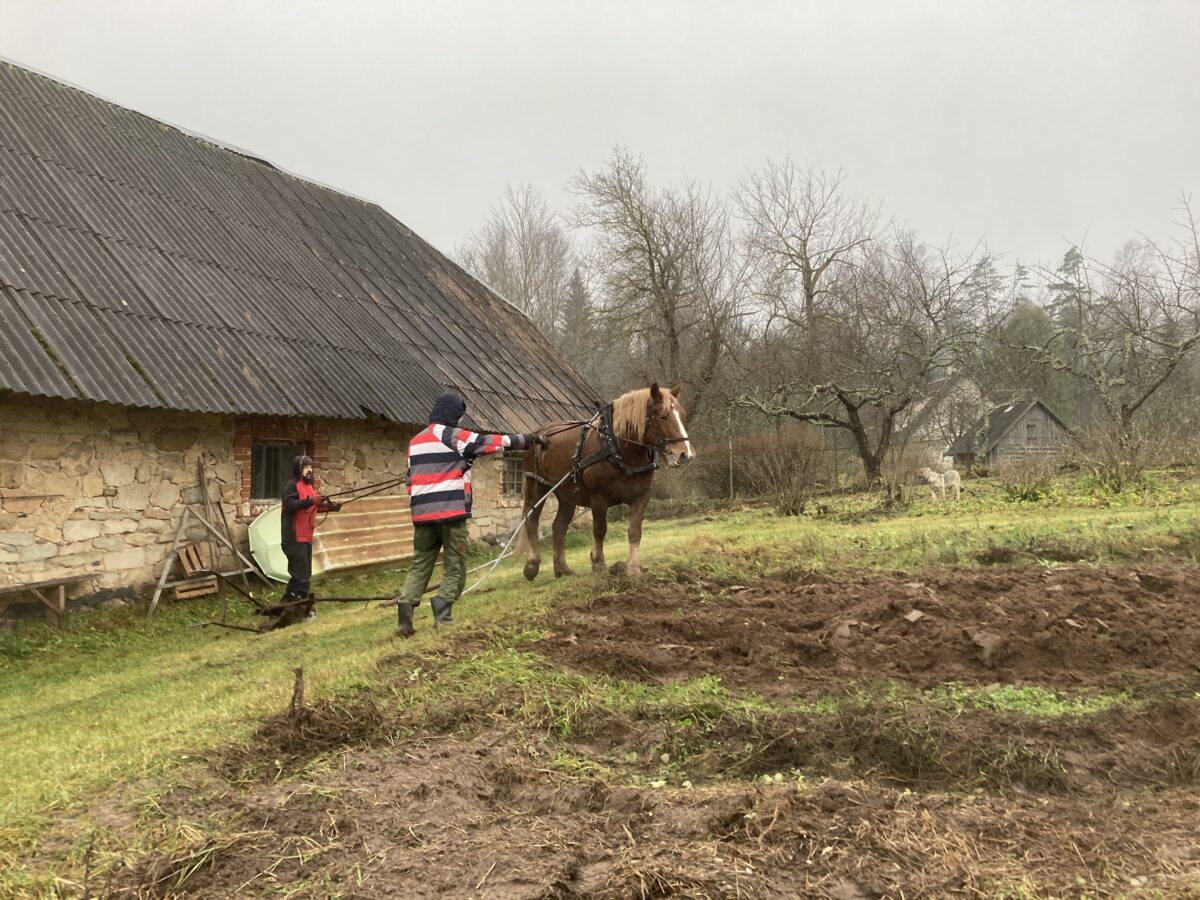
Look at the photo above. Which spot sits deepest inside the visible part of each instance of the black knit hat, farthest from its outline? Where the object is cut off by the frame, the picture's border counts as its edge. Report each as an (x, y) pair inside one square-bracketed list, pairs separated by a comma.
[(448, 409)]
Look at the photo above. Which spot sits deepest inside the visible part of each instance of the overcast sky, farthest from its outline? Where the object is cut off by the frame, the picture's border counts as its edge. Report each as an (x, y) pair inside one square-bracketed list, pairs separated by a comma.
[(1028, 125)]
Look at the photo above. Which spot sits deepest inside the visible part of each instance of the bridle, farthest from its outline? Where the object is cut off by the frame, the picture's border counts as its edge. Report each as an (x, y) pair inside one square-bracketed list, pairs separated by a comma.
[(610, 445), (663, 442)]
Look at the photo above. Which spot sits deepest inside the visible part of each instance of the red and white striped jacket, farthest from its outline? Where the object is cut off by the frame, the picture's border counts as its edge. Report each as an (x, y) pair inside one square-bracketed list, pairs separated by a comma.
[(439, 470)]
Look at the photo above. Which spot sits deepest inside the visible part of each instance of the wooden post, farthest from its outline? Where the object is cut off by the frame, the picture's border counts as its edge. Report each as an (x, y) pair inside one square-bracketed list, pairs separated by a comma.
[(202, 486), (56, 609), (229, 537), (162, 581), (296, 709), (250, 567)]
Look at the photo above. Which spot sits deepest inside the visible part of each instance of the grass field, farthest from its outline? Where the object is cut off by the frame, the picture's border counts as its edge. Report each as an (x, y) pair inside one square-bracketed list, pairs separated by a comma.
[(104, 726)]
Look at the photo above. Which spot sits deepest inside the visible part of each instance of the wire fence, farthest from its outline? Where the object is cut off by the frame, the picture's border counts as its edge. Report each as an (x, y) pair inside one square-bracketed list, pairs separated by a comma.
[(839, 466)]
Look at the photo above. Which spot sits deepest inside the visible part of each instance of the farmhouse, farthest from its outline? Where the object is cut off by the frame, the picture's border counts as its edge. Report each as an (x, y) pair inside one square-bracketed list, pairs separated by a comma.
[(1014, 430), (166, 300)]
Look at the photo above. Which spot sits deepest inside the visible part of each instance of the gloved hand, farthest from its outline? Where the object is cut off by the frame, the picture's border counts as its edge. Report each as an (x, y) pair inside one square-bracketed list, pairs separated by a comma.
[(335, 507), (539, 440)]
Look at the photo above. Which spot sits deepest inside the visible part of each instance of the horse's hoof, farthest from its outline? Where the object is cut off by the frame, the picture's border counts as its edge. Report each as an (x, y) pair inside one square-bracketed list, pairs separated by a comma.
[(560, 571), (531, 569), (599, 567), (619, 568)]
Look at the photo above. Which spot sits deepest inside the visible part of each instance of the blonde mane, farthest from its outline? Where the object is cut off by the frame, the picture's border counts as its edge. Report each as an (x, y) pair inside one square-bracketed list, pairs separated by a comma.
[(629, 414)]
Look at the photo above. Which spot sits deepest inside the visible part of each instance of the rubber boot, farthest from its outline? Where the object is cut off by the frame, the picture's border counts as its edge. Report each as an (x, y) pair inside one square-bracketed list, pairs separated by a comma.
[(404, 611), (441, 612)]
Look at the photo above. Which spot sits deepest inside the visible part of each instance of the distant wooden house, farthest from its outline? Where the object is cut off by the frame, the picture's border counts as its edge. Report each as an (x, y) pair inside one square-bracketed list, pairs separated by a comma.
[(1018, 429)]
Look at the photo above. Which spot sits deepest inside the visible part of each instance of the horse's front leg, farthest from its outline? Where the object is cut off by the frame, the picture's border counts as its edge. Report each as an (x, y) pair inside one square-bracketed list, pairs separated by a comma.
[(534, 563), (599, 530), (637, 512), (562, 520)]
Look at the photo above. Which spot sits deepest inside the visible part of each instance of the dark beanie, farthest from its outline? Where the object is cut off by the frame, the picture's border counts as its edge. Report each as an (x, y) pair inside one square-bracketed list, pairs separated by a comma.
[(448, 409)]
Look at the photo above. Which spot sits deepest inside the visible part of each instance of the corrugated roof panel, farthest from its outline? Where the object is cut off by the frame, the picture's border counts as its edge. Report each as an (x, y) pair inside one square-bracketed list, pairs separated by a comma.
[(26, 263), (299, 378), (27, 185), (218, 294), (84, 347), (100, 205), (244, 373), (163, 284), (27, 367), (20, 129), (98, 277), (179, 375), (398, 388), (321, 316)]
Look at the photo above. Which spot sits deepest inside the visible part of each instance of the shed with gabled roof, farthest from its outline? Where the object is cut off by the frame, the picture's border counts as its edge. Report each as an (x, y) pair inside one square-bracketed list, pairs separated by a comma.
[(1016, 429)]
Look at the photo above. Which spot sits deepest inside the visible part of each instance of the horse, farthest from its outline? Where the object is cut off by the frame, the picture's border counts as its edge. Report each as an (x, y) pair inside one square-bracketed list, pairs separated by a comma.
[(610, 461)]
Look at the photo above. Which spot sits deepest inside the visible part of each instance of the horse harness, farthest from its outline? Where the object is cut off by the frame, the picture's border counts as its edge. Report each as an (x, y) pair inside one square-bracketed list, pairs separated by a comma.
[(610, 450)]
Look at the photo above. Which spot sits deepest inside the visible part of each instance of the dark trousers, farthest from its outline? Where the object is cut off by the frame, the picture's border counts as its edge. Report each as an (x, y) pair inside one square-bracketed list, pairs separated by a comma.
[(299, 557)]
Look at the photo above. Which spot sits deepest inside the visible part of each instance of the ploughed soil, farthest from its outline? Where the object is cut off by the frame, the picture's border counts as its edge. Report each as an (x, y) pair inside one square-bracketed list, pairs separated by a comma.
[(1069, 627), (796, 775)]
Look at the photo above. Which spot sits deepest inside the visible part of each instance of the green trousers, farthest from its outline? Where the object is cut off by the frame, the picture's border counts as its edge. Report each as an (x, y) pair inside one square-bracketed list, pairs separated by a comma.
[(427, 541)]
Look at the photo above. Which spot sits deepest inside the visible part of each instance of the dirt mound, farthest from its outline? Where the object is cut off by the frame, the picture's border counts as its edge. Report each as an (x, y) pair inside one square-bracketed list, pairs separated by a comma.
[(284, 743), (922, 747), (848, 783), (1064, 627), (498, 819)]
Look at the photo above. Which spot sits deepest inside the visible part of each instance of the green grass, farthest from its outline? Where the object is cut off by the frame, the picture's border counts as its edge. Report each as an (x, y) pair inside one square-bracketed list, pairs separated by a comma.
[(1028, 700), (118, 697)]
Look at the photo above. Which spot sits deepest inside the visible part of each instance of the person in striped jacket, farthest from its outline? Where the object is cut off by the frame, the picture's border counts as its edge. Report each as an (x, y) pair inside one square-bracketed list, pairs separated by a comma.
[(439, 489)]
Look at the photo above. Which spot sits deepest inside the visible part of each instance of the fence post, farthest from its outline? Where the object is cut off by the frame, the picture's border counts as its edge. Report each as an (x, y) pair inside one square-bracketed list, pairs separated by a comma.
[(729, 424), (837, 483)]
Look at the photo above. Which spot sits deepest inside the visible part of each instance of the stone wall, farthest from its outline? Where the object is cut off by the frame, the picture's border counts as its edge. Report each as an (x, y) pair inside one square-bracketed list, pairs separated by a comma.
[(92, 489)]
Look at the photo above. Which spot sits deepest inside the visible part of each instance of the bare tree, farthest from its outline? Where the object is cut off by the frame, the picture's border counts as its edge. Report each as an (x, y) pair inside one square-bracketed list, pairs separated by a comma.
[(523, 251), (1124, 328), (671, 275), (894, 323), (803, 227)]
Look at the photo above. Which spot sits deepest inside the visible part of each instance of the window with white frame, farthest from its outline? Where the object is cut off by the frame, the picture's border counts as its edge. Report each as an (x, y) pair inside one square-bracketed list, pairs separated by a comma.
[(512, 476)]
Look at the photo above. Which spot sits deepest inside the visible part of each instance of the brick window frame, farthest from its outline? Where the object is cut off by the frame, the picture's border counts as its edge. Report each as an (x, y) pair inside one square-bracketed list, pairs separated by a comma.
[(312, 434)]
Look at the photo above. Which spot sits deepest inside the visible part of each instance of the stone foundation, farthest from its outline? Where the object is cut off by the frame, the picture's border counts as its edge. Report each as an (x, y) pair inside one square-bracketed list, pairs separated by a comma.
[(92, 489)]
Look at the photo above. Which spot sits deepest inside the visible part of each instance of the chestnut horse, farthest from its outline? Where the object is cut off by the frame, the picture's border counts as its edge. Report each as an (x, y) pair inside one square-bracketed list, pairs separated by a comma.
[(611, 467)]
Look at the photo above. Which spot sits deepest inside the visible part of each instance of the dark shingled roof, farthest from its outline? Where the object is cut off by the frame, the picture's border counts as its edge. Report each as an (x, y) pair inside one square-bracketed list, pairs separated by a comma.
[(143, 266), (999, 421)]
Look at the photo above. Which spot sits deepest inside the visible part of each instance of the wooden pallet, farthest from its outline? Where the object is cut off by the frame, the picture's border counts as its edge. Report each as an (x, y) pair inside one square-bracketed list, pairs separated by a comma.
[(193, 565)]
